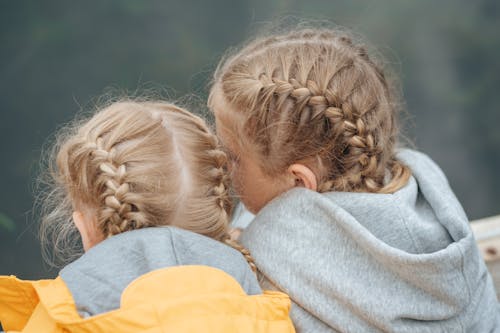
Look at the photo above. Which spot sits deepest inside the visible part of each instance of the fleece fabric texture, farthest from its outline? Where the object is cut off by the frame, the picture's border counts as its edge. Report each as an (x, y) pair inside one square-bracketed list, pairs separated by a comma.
[(97, 279), (364, 262)]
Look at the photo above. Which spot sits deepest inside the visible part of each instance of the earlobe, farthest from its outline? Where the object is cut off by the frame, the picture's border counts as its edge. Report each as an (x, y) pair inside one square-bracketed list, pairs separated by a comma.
[(303, 176)]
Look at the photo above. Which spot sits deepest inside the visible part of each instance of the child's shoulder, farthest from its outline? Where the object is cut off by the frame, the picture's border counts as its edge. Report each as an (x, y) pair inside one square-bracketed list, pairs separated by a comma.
[(106, 269)]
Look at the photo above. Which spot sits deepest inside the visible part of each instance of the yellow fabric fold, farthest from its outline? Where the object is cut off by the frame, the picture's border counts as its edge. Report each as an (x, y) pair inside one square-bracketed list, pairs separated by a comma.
[(178, 299)]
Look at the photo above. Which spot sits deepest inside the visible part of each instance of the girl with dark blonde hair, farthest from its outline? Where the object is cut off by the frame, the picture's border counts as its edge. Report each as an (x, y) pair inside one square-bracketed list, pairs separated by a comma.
[(145, 187), (362, 235)]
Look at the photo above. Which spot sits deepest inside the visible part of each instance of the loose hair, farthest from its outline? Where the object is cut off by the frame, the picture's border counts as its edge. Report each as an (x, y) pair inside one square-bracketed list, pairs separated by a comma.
[(313, 96), (135, 165)]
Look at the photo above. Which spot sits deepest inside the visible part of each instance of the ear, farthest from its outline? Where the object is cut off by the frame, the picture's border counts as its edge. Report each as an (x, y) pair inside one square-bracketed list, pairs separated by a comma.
[(303, 176), (91, 236)]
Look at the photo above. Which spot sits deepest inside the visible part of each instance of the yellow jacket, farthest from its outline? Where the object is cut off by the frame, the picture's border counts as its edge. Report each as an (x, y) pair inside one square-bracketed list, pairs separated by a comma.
[(174, 299)]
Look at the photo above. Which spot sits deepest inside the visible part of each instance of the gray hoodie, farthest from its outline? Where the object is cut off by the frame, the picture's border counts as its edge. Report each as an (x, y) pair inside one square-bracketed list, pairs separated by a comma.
[(364, 262), (97, 279)]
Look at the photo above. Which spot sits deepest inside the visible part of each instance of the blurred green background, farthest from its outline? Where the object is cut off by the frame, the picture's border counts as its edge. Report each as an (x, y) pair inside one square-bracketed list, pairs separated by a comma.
[(58, 55)]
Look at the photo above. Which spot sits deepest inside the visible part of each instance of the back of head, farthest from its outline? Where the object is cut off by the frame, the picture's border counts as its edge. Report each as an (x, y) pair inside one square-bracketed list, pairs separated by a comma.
[(315, 97), (135, 165)]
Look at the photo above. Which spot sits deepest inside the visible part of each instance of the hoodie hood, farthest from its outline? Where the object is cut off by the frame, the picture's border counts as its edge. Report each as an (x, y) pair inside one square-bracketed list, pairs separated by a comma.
[(97, 279), (365, 262)]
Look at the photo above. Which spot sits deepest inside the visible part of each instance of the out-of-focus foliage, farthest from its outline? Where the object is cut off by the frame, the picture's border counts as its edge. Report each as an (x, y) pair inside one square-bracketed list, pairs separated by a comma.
[(57, 55)]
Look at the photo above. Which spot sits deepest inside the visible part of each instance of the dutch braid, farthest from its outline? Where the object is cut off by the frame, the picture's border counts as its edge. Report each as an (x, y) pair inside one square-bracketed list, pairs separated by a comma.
[(119, 213), (313, 104), (316, 93), (220, 192)]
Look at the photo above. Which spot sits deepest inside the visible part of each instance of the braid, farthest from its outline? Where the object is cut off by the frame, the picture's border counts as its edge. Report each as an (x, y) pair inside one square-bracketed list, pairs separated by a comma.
[(220, 181), (237, 246), (315, 93), (118, 213), (361, 167), (220, 191)]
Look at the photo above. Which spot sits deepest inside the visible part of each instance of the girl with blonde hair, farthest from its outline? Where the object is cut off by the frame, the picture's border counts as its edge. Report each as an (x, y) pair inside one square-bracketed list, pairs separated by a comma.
[(363, 236), (145, 186)]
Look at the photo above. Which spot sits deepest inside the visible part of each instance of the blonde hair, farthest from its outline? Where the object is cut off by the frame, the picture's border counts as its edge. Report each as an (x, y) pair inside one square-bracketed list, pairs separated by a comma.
[(315, 97), (135, 165)]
